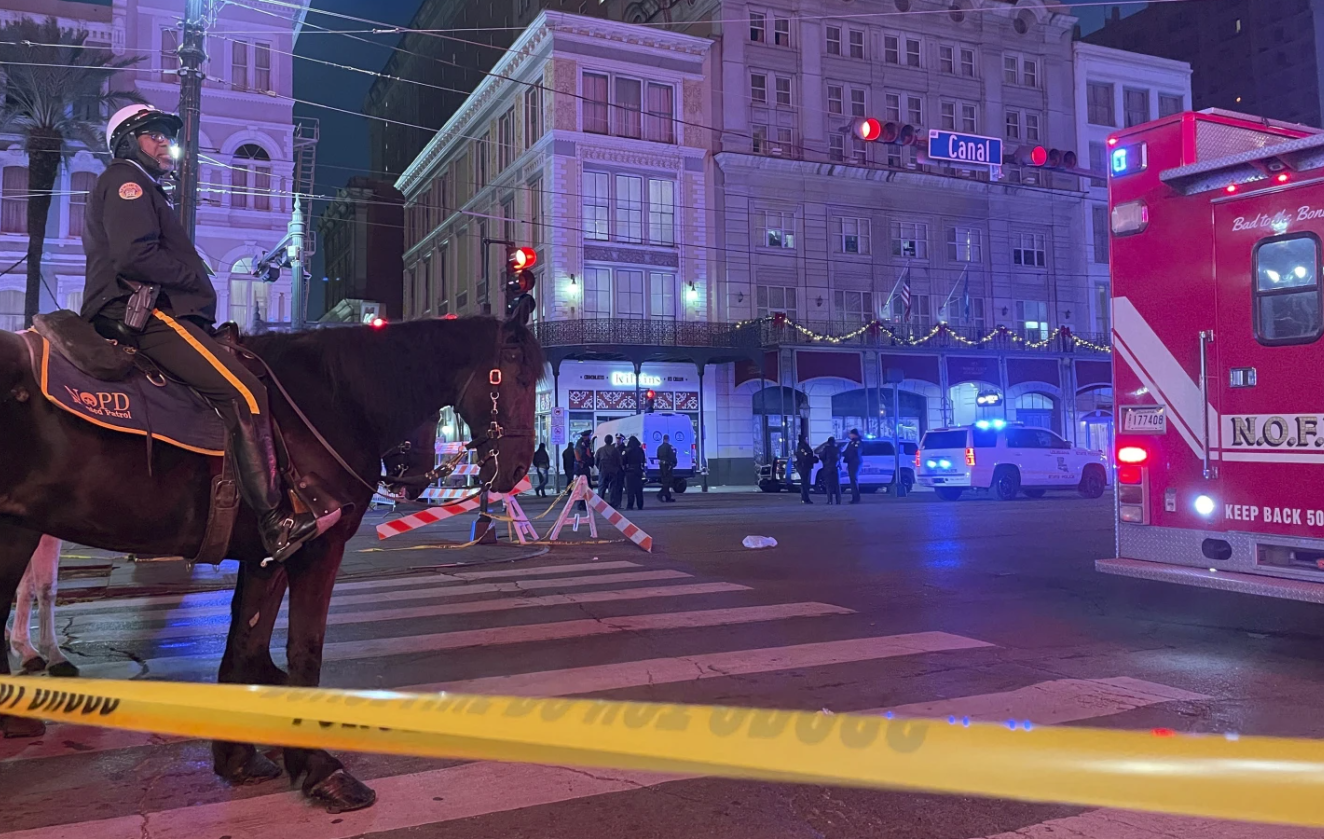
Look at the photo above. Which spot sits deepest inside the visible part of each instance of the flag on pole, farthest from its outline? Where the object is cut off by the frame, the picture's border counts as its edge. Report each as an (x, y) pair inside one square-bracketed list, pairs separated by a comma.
[(905, 293)]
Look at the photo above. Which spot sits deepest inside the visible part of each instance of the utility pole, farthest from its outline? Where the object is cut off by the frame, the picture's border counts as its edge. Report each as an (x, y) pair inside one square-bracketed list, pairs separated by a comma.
[(296, 232), (191, 57)]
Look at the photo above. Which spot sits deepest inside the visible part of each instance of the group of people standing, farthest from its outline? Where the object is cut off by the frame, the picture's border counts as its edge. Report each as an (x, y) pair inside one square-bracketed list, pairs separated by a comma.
[(622, 467), (831, 456)]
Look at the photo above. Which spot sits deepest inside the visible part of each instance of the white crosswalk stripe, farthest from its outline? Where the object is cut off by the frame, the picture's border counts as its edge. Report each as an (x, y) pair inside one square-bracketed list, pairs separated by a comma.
[(649, 602)]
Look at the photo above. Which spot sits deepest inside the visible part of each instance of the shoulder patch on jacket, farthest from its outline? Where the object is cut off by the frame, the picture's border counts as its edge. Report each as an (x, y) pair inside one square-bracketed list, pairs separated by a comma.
[(130, 191)]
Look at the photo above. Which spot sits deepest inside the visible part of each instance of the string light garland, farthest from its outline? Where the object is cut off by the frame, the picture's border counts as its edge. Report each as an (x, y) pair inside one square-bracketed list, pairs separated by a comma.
[(878, 327)]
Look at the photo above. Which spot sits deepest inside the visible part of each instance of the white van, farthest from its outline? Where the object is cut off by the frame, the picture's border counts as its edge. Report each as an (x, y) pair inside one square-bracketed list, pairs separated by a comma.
[(649, 428)]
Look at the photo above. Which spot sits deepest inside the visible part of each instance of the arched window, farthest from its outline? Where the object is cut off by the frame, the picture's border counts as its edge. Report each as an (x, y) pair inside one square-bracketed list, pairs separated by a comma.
[(251, 178)]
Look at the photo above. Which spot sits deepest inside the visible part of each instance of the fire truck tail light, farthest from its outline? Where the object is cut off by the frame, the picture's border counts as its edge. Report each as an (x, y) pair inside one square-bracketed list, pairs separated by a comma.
[(1131, 217), (969, 457), (1127, 494), (1129, 474), (1132, 454), (1135, 515)]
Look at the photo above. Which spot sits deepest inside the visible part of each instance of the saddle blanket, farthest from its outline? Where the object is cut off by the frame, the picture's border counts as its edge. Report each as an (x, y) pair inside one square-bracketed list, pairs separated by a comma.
[(173, 414)]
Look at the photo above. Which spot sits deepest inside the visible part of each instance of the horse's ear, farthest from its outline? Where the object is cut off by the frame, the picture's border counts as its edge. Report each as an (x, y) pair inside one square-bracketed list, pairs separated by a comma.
[(523, 308)]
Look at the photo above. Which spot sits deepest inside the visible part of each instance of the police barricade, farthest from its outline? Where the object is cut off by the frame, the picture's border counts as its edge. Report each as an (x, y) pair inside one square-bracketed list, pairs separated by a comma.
[(1216, 776)]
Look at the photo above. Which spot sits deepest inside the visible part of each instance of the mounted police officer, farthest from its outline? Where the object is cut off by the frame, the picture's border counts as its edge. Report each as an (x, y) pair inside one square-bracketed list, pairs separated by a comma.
[(147, 286)]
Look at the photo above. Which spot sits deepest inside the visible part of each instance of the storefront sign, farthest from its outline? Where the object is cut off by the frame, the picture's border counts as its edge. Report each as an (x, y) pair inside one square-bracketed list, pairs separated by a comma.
[(625, 378)]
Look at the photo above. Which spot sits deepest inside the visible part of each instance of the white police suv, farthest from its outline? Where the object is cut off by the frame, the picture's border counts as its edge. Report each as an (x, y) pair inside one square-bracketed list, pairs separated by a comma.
[(1007, 459)]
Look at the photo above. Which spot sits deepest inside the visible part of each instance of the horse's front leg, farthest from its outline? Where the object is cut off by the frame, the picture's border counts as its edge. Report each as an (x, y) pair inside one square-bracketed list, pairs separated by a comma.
[(44, 571), (16, 547), (312, 574), (247, 661), (20, 634)]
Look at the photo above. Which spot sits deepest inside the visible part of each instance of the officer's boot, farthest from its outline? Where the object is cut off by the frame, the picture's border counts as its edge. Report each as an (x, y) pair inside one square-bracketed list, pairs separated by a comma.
[(283, 531)]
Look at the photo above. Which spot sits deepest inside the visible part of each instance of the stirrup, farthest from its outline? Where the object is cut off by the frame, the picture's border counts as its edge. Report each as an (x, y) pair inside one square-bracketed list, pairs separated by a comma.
[(288, 522)]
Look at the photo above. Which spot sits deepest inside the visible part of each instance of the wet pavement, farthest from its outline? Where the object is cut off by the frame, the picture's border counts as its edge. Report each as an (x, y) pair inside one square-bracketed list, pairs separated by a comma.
[(978, 607)]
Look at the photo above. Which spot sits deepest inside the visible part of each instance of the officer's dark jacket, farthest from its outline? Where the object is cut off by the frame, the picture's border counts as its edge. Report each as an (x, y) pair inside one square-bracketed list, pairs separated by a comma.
[(130, 231), (851, 454)]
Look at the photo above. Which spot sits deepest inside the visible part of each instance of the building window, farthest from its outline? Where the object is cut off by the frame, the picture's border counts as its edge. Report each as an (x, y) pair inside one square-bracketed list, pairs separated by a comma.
[(1170, 104), (627, 108), (958, 116), (834, 99), (506, 139), (856, 43), (770, 299), (508, 219), (532, 115), (251, 178), (481, 156), (833, 40), (912, 52), (239, 65), (854, 235), (1030, 72), (1287, 293), (11, 310), (595, 103), (170, 55), (535, 211), (597, 204), (910, 240), (1029, 250), (659, 121), (857, 150), (1099, 98), (14, 202), (964, 244), (1135, 106), (759, 138), (630, 294), (1032, 316), (1101, 233), (758, 87), (857, 102), (969, 118), (758, 27), (892, 106), (836, 147), (662, 296), (783, 91), (781, 31), (947, 117), (80, 185), (891, 49), (915, 110), (1010, 69), (248, 302), (661, 212), (1032, 128), (73, 301), (852, 308), (967, 62), (597, 293), (776, 229), (947, 59), (262, 67), (1098, 153)]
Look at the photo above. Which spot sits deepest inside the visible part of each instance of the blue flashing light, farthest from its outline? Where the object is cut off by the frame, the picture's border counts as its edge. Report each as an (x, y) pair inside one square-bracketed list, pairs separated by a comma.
[(997, 423), (946, 464), (982, 425), (951, 720), (965, 721), (888, 715), (1027, 725), (932, 464), (1011, 724)]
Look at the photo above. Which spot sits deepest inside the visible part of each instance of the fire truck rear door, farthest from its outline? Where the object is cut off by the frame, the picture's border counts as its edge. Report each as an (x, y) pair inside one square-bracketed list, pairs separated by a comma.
[(1268, 259)]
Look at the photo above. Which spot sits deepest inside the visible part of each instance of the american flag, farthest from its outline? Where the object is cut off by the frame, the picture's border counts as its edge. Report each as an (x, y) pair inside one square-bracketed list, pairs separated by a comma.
[(905, 294)]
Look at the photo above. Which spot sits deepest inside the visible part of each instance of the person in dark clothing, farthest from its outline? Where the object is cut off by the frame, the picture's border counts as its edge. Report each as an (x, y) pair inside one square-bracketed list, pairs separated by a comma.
[(852, 455), (635, 461), (666, 464), (148, 286), (609, 469), (804, 466), (543, 463), (831, 457), (568, 463)]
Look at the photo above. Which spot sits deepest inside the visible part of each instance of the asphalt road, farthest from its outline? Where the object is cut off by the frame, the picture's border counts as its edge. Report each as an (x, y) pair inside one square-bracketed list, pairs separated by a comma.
[(984, 608)]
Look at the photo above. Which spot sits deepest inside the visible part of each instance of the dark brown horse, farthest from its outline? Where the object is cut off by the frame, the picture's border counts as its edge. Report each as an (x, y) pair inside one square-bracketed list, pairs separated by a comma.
[(363, 389)]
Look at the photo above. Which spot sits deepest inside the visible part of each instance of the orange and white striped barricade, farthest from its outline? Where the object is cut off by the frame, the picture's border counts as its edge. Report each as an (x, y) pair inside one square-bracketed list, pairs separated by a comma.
[(595, 503), (472, 501)]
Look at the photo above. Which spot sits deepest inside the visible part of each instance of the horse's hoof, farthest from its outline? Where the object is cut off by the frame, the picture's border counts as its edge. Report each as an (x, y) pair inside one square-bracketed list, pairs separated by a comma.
[(36, 664), (16, 727), (256, 768), (62, 670), (342, 793)]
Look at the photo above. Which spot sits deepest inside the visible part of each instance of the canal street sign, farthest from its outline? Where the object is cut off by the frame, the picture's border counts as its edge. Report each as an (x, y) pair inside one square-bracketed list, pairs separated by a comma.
[(969, 149)]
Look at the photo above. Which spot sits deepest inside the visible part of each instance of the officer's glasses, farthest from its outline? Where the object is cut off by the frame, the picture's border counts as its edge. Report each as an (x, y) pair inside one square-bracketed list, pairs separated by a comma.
[(156, 136)]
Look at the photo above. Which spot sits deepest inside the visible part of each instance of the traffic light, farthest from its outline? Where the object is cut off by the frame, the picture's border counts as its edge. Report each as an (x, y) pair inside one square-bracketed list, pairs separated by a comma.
[(520, 280), (1041, 157), (893, 133), (650, 396)]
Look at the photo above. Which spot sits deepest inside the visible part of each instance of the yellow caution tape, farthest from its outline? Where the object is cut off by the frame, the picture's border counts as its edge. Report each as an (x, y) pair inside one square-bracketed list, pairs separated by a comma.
[(1245, 778)]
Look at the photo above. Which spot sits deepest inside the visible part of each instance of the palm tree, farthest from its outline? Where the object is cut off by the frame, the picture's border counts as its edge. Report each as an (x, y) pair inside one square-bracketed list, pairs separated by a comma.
[(56, 91)]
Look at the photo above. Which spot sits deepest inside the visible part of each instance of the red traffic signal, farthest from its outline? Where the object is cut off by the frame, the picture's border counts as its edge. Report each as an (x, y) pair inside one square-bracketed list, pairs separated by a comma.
[(649, 394), (1048, 158), (377, 323), (868, 129), (522, 258)]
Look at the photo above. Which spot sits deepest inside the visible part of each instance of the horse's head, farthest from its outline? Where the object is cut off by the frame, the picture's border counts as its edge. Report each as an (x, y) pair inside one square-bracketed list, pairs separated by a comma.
[(411, 460), (499, 406)]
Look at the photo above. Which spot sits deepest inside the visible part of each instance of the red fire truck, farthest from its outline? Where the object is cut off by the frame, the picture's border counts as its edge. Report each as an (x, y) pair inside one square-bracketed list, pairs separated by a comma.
[(1217, 223)]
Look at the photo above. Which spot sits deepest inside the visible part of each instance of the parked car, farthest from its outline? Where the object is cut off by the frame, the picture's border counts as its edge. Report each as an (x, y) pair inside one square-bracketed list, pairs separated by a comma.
[(877, 467), (1007, 459)]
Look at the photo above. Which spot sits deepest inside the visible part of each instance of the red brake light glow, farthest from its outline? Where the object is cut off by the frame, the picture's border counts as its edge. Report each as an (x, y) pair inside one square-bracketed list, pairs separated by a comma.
[(969, 457), (1132, 454), (1282, 179), (1230, 188), (1129, 474), (917, 458)]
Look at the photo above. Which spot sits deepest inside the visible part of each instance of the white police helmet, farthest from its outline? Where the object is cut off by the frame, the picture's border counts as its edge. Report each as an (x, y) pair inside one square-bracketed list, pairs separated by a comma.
[(132, 118)]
